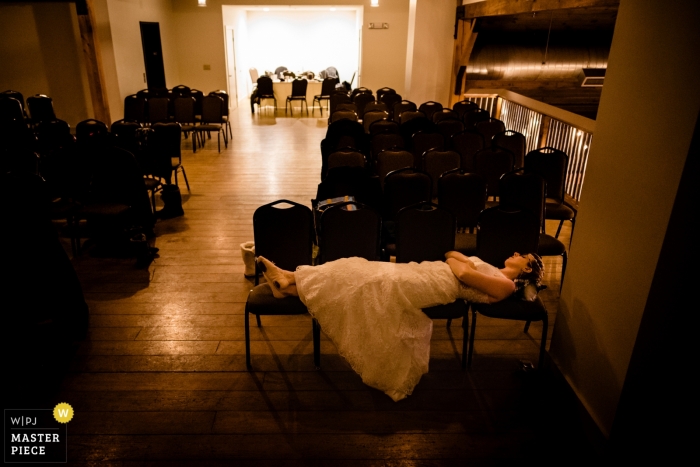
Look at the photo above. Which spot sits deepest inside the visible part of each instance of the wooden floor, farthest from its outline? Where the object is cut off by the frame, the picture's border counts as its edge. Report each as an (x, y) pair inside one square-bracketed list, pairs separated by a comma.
[(161, 378)]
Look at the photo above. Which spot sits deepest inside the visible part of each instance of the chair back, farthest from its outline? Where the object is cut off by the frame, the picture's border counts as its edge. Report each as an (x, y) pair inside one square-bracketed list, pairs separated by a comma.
[(391, 100), (14, 95), (158, 109), (135, 108), (383, 141), (472, 117), (492, 164), (53, 135), (349, 229), (299, 87), (338, 98), (436, 163), (265, 88), (448, 127), (401, 107), (346, 106), (328, 86), (212, 109), (184, 110), (467, 143), (423, 141), (424, 232), (404, 187), (10, 109), (463, 107), (501, 232), (511, 141), (415, 124), (551, 164), (463, 194), (429, 108), (350, 181), (164, 145), (41, 108), (361, 100), (381, 92), (357, 91), (346, 158), (253, 75), (91, 132), (198, 96), (490, 127), (520, 190), (343, 115), (125, 135), (283, 233), (181, 91), (445, 114), (383, 126), (408, 115), (390, 160), (224, 96), (373, 116)]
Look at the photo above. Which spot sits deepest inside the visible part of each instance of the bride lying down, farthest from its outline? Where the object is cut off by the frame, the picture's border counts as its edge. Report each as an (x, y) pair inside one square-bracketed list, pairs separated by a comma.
[(371, 310)]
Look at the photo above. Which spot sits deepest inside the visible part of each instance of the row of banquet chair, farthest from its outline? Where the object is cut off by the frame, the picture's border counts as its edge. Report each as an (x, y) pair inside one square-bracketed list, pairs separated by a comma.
[(285, 231)]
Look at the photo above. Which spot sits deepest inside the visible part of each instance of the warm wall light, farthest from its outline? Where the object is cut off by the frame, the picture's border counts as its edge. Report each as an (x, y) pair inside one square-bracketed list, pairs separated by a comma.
[(373, 2), (201, 2)]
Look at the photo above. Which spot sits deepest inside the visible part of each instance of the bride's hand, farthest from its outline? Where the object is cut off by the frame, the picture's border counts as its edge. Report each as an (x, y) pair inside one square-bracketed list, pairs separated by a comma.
[(460, 257)]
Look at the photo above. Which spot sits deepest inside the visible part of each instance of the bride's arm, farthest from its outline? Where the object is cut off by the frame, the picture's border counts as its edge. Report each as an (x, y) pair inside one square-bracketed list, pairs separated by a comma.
[(460, 257), (498, 288)]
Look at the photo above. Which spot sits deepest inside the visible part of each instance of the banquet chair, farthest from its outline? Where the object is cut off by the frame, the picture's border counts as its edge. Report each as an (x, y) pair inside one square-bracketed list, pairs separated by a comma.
[(327, 88), (488, 128), (436, 162), (15, 95), (381, 92), (298, 94), (213, 119), (135, 108), (346, 157), (164, 145), (284, 235), (10, 109), (351, 181), (390, 160), (383, 141), (92, 132), (376, 106), (467, 143), (425, 232), (492, 164), (474, 116), (527, 190), (429, 108), (514, 142), (552, 165), (181, 91), (264, 90), (463, 107), (422, 141), (445, 114), (383, 126), (391, 100), (183, 108), (343, 115), (464, 195), (372, 116), (349, 229), (338, 98), (227, 120), (401, 107), (500, 233), (158, 109), (448, 128), (40, 108), (413, 125), (361, 100)]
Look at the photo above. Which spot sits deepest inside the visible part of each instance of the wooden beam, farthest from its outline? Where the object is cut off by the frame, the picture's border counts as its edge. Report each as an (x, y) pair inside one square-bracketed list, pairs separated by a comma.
[(464, 43), (514, 7), (93, 63)]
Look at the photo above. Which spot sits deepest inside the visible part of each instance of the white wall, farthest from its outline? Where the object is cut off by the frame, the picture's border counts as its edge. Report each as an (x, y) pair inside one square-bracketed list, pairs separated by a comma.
[(306, 40), (200, 40), (124, 17), (635, 163), (430, 50), (40, 52)]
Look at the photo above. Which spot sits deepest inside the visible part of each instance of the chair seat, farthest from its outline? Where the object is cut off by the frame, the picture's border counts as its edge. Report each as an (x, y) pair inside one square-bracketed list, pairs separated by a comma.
[(296, 98), (454, 310), (557, 211), (513, 308), (261, 302), (465, 243), (550, 246), (209, 127), (151, 183)]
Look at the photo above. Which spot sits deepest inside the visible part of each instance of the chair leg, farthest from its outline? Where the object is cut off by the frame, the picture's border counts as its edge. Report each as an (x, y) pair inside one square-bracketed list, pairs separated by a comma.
[(247, 339), (218, 140), (449, 322), (561, 222), (543, 342), (257, 317), (184, 175), (527, 326), (565, 258), (465, 332), (317, 343), (471, 339)]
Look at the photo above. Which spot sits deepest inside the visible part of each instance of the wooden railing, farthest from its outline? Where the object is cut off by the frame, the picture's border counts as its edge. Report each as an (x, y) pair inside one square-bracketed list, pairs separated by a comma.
[(543, 125)]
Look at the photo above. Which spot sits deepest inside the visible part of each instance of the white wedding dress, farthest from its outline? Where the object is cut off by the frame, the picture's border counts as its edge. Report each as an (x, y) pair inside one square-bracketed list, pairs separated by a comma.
[(372, 313)]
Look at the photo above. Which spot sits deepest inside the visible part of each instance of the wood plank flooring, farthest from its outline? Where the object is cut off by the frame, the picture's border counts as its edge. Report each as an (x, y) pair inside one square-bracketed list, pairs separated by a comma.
[(161, 378)]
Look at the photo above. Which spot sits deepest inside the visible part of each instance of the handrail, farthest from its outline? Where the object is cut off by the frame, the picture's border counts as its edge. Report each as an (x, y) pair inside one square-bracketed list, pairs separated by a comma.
[(543, 125)]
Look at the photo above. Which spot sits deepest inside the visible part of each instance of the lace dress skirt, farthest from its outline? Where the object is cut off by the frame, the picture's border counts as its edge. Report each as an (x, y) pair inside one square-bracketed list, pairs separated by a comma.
[(372, 313)]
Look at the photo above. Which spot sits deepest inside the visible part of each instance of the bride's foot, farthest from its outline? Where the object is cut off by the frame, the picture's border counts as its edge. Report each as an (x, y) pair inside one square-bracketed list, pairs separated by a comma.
[(277, 277)]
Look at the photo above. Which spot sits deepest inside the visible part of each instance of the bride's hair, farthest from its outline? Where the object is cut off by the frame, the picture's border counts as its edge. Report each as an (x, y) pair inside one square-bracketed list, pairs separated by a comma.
[(531, 278)]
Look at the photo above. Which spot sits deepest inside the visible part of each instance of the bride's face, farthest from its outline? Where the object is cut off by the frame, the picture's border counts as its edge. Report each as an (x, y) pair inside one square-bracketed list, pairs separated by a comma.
[(520, 262)]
